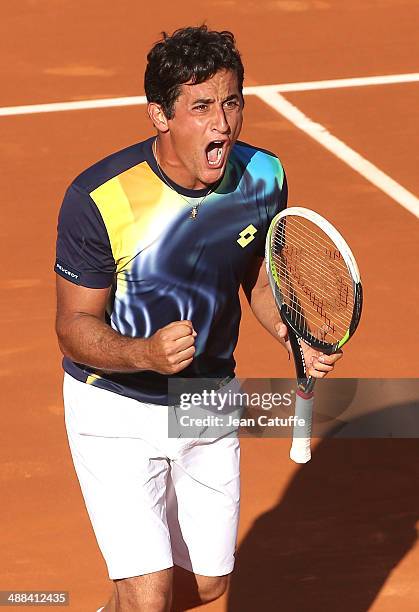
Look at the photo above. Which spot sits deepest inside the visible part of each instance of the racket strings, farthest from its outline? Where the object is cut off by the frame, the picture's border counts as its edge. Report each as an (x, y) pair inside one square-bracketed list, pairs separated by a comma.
[(308, 304), (330, 255), (328, 246), (306, 313), (315, 283), (315, 306), (344, 294), (315, 318), (320, 274), (331, 268)]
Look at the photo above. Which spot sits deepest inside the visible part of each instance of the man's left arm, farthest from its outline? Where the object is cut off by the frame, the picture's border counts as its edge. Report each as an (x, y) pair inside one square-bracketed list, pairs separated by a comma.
[(259, 295)]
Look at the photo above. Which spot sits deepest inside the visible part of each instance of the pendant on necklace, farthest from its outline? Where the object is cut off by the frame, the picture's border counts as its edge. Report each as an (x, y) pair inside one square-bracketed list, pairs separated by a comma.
[(194, 213)]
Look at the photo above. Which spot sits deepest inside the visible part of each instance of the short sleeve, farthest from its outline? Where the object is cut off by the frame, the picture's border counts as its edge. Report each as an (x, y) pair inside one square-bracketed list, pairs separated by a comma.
[(283, 196), (277, 201), (83, 254)]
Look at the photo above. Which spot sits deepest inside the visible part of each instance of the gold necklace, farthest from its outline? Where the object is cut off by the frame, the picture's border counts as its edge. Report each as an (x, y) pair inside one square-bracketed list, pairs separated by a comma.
[(195, 207)]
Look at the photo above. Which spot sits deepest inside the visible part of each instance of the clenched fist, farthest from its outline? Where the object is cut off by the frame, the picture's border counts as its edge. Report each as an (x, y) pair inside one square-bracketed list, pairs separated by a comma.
[(171, 348)]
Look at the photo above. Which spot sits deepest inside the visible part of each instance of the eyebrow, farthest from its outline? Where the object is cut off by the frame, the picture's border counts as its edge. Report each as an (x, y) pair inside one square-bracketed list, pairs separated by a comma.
[(210, 100)]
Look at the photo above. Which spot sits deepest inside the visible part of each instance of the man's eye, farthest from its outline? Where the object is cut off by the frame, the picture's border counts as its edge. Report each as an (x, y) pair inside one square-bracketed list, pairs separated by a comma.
[(231, 104), (201, 107)]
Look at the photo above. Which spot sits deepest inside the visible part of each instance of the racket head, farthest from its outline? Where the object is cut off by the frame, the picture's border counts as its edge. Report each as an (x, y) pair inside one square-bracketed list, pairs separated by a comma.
[(314, 278)]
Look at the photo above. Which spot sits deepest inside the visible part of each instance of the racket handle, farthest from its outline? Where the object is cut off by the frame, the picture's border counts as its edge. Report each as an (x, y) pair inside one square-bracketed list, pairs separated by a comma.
[(300, 449)]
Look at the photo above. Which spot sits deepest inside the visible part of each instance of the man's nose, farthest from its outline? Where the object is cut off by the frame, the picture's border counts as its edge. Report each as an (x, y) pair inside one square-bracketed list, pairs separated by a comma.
[(220, 123)]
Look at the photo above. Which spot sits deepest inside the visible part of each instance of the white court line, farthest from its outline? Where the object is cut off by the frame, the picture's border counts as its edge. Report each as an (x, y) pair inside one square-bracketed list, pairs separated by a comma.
[(53, 107), (390, 79), (358, 163)]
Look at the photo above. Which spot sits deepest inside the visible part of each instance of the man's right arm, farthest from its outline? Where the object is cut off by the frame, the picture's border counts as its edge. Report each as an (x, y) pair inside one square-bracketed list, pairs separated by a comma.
[(85, 337)]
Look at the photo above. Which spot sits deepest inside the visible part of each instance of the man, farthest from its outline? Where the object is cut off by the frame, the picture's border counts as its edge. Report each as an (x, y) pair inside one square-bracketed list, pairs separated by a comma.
[(153, 245)]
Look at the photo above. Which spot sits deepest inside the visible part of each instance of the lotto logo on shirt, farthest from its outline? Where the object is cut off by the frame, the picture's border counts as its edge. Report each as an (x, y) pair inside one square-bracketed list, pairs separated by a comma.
[(247, 235)]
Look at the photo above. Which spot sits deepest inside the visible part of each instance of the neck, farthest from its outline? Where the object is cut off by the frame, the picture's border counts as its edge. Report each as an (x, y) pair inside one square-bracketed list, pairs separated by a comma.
[(173, 169)]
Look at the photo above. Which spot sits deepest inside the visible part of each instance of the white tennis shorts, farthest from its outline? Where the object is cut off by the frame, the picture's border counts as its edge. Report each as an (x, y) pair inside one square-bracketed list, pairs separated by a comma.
[(153, 501)]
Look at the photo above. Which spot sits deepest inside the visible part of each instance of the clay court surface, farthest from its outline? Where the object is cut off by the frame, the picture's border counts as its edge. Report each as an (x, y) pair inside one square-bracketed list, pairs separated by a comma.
[(340, 532)]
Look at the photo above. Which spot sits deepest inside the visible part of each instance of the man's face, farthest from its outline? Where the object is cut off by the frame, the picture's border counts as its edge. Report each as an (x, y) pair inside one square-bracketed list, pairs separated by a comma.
[(206, 123)]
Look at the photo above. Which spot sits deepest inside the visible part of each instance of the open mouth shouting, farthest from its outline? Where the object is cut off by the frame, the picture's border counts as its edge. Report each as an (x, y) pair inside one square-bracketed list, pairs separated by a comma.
[(216, 153)]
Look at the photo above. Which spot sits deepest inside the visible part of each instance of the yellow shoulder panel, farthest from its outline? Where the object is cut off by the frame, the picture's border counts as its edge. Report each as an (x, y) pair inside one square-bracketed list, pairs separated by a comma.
[(135, 207)]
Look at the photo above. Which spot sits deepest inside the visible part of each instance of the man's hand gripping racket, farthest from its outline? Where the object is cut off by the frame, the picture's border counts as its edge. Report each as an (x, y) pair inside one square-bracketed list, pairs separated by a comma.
[(317, 289)]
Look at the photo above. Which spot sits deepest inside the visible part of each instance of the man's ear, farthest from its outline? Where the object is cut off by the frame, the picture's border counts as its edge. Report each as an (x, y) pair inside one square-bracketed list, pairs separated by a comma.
[(158, 117)]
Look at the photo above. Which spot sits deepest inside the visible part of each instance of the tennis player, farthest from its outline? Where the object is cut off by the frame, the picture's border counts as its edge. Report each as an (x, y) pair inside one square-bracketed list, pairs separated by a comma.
[(153, 245)]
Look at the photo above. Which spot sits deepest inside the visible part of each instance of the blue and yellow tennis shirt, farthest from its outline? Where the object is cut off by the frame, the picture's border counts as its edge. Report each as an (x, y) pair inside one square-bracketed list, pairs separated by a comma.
[(120, 225)]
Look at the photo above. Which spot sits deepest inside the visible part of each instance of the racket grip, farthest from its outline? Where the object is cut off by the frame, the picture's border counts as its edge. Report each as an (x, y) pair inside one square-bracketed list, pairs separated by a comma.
[(300, 449)]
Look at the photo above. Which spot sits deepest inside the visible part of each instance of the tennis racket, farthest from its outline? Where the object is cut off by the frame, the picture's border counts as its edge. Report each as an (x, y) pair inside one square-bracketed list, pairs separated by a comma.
[(317, 289)]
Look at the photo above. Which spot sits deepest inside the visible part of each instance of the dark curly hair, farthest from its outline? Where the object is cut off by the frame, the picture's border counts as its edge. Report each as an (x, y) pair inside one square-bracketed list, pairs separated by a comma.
[(192, 54)]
